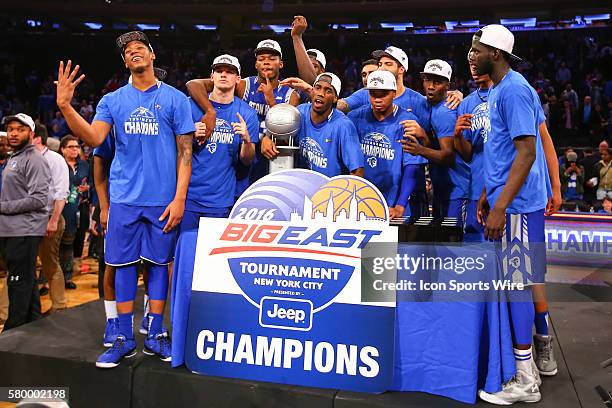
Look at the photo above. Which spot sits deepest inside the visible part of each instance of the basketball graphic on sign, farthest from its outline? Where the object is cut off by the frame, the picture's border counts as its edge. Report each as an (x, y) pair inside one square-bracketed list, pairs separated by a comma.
[(347, 194)]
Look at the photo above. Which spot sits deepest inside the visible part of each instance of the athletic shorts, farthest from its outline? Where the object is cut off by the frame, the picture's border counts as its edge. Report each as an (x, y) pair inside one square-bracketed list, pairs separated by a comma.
[(454, 208), (191, 219), (523, 248), (135, 233), (473, 231)]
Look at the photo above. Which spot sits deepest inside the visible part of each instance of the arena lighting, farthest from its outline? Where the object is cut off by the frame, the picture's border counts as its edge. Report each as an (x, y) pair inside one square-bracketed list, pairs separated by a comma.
[(34, 23), (279, 28), (345, 26), (93, 26), (450, 25), (205, 27), (524, 22), (148, 26), (397, 26), (596, 17)]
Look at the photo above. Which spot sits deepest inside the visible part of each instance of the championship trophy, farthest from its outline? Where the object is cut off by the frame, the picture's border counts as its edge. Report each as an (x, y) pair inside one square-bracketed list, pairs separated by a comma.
[(282, 125)]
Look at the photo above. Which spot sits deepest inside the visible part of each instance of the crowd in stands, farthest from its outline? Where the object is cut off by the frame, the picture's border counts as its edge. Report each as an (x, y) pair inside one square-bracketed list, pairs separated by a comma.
[(567, 68)]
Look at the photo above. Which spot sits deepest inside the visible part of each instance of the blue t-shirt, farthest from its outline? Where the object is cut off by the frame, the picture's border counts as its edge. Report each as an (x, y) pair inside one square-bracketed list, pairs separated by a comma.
[(410, 100), (213, 176), (143, 172), (257, 101), (381, 146), (513, 112), (476, 104), (449, 182), (331, 147)]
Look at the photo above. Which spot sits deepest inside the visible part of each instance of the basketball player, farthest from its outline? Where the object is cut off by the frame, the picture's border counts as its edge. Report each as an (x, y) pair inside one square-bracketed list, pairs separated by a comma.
[(450, 175), (260, 92), (514, 198), (327, 138), (213, 180), (367, 67), (380, 132), (148, 183), (470, 134)]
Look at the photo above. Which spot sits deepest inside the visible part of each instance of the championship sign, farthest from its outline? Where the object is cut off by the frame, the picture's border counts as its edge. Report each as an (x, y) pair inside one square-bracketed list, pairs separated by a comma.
[(276, 293)]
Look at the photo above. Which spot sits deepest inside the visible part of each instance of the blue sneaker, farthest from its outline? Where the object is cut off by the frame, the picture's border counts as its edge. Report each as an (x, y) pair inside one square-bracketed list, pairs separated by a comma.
[(122, 348), (111, 332), (144, 325), (159, 345)]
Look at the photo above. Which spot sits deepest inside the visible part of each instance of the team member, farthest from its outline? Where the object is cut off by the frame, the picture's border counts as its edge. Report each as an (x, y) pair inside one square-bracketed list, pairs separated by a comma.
[(367, 67), (311, 62), (450, 175), (261, 92), (148, 183), (470, 134), (380, 131), (469, 138), (23, 218), (327, 138), (515, 196), (213, 181), (48, 251)]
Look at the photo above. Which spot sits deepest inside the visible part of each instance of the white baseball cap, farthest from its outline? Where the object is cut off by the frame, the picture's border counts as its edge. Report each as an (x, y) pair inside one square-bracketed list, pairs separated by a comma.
[(319, 56), (381, 80), (269, 46), (228, 60), (335, 81), (438, 67), (21, 117), (396, 53), (498, 36)]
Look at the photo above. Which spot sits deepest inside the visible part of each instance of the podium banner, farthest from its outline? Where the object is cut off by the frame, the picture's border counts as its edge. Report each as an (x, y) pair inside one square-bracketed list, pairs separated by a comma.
[(276, 292)]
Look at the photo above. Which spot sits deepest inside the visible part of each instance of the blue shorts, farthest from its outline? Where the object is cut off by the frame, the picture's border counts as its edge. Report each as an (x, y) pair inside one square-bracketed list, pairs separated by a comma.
[(191, 219), (523, 248), (473, 230), (454, 208), (135, 233)]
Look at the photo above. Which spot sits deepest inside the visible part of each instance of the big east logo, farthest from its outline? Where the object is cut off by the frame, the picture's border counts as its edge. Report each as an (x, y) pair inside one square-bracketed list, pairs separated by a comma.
[(291, 249)]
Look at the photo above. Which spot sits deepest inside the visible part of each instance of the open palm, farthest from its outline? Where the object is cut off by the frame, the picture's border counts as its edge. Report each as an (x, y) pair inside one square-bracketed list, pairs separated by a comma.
[(66, 84)]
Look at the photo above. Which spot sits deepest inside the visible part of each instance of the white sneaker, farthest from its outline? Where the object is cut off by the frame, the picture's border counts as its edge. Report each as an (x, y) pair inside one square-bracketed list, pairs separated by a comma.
[(536, 372), (521, 388)]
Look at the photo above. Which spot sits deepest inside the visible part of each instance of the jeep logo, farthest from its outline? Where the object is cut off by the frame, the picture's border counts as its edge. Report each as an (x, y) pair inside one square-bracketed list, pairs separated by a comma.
[(285, 313)]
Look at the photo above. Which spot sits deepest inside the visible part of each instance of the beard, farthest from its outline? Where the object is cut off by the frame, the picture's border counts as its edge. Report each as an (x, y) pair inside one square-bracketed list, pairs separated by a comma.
[(20, 145), (484, 68)]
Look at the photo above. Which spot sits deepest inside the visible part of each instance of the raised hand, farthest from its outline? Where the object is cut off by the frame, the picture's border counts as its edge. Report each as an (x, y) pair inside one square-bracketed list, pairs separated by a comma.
[(240, 128), (66, 84), (298, 26), (464, 122)]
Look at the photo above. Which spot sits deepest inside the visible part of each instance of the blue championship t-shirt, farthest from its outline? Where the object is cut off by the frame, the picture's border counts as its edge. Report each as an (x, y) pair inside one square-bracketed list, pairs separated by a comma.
[(410, 100), (331, 147), (143, 172), (449, 182), (257, 101), (381, 145), (476, 104), (213, 176), (513, 111)]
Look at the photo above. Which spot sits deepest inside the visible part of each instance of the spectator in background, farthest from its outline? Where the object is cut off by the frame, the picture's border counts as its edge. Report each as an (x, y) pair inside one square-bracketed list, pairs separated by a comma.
[(571, 95), (23, 219), (590, 177), (604, 171), (79, 190), (598, 123), (48, 251), (564, 75), (86, 110), (572, 181), (568, 118), (606, 205), (59, 127), (587, 108), (4, 154)]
